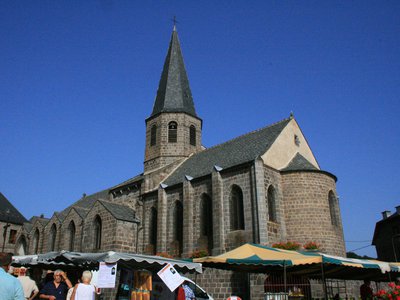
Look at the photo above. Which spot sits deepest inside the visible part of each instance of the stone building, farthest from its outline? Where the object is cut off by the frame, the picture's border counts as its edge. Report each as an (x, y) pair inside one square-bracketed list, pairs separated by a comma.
[(11, 221), (264, 187), (387, 236)]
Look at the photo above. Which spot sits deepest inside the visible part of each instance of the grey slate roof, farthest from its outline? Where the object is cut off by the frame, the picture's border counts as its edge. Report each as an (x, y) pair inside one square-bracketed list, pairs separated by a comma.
[(8, 213), (174, 94), (28, 226), (84, 203), (240, 150), (42, 220), (299, 163), (129, 181), (120, 212)]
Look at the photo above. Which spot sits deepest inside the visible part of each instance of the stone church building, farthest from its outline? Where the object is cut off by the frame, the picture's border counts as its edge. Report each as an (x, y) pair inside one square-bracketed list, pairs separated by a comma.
[(263, 187)]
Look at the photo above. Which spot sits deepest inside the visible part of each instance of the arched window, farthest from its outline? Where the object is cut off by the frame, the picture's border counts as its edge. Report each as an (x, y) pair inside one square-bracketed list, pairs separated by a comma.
[(236, 206), (192, 135), (21, 245), (178, 225), (271, 204), (97, 232), (53, 237), (153, 229), (333, 208), (172, 132), (206, 221), (153, 135), (71, 230), (36, 237)]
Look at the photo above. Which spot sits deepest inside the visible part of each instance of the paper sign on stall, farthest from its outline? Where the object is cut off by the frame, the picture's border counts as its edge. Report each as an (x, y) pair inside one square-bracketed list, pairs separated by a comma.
[(171, 277), (107, 275)]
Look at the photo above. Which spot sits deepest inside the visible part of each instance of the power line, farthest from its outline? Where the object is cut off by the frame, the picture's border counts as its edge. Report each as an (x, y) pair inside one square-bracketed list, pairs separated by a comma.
[(359, 248), (367, 241)]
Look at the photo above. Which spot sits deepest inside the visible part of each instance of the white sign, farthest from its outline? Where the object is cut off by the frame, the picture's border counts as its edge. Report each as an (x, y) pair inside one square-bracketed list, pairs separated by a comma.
[(107, 275), (171, 277)]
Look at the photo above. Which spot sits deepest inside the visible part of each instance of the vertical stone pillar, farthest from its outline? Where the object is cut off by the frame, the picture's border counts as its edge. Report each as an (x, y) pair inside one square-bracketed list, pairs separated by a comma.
[(162, 221), (187, 218), (218, 213), (258, 182)]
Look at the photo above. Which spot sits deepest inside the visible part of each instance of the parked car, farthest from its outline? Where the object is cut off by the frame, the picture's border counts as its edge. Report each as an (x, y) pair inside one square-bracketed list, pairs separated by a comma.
[(199, 292), (161, 291)]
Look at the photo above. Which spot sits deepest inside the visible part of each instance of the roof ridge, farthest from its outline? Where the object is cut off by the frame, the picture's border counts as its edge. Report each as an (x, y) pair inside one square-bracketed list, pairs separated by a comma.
[(88, 196), (245, 134), (180, 164)]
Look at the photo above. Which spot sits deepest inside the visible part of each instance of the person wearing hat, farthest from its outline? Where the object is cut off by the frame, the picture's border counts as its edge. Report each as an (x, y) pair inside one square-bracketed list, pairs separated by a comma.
[(10, 287), (28, 285)]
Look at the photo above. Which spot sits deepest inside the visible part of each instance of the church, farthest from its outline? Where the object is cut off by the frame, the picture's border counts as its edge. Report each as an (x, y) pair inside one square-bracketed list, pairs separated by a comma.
[(264, 187)]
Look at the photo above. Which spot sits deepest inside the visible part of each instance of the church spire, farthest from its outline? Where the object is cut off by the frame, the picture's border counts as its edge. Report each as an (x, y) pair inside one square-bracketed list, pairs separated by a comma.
[(173, 94)]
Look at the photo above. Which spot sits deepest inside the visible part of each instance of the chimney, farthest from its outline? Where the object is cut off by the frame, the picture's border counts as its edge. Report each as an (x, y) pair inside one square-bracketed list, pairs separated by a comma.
[(386, 214), (398, 209)]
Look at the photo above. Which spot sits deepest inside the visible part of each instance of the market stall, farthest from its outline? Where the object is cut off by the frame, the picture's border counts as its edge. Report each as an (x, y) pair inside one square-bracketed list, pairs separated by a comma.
[(296, 268), (125, 276)]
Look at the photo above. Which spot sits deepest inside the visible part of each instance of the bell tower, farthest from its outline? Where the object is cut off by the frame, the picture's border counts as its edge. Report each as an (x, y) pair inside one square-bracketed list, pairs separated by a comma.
[(173, 130)]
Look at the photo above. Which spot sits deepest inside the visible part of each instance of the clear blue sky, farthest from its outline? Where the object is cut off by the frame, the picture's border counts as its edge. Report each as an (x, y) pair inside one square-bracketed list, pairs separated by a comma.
[(78, 78)]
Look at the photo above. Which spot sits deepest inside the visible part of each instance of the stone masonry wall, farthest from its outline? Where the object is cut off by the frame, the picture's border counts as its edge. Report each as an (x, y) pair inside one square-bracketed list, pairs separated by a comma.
[(31, 248), (125, 237), (307, 213), (8, 247), (163, 153), (199, 189), (242, 179), (72, 216), (144, 237), (109, 227), (172, 197), (276, 229), (221, 284), (47, 235)]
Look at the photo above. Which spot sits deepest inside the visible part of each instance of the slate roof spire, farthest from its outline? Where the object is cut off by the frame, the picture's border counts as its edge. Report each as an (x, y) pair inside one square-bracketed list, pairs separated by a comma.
[(174, 94)]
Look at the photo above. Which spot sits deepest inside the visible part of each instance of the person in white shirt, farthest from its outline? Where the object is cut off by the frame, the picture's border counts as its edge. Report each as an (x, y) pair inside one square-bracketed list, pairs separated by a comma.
[(84, 290), (28, 285)]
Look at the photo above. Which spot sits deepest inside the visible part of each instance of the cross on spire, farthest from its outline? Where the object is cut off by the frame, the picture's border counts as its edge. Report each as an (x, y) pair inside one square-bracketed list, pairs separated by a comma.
[(175, 22)]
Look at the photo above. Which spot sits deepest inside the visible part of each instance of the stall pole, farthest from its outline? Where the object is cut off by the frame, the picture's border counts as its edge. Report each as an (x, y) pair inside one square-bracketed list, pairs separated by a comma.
[(284, 278), (324, 281)]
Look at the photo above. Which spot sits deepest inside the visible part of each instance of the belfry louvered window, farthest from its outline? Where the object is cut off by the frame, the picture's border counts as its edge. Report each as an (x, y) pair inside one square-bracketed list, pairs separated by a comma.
[(172, 132), (192, 135), (153, 135)]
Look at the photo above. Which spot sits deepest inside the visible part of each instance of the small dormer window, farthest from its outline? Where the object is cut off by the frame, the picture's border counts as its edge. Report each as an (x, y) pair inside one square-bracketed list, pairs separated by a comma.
[(296, 140), (172, 132)]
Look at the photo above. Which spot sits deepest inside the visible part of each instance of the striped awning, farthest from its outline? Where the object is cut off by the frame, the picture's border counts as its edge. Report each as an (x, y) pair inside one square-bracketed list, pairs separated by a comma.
[(262, 259), (54, 260)]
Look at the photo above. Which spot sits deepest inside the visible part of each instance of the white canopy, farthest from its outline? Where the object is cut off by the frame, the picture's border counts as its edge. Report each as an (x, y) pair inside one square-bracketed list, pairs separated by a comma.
[(53, 260)]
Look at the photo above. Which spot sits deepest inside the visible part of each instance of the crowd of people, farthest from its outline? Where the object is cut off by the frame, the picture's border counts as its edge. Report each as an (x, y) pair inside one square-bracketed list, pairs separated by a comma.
[(55, 285)]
